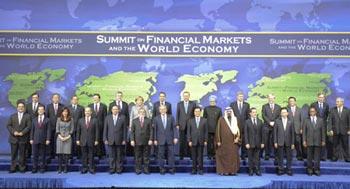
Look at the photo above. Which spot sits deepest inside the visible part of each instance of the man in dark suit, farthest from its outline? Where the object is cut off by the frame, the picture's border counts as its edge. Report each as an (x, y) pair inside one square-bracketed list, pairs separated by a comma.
[(53, 111), (254, 137), (32, 110), (123, 110), (270, 113), (296, 115), (197, 138), (99, 111), (322, 108), (40, 136), (18, 126), (212, 113), (141, 139), (183, 113), (87, 138), (77, 112), (313, 138), (165, 137), (114, 135), (339, 128), (284, 138), (162, 101), (241, 111)]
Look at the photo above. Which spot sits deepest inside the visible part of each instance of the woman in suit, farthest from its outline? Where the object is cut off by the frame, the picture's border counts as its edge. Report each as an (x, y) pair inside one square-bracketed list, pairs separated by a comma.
[(64, 131)]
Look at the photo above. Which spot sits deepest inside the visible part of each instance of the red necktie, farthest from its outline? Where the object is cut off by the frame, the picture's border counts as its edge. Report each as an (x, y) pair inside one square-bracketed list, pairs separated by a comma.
[(87, 123)]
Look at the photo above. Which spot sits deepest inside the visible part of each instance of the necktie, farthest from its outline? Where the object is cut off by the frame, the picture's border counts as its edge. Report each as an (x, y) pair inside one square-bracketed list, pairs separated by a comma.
[(40, 121), (87, 125), (164, 121), (285, 124), (96, 108), (186, 107), (339, 112), (55, 107), (20, 118), (115, 120), (74, 107), (293, 111), (272, 107), (34, 107), (141, 121), (197, 122), (254, 121), (240, 107), (313, 121), (118, 104)]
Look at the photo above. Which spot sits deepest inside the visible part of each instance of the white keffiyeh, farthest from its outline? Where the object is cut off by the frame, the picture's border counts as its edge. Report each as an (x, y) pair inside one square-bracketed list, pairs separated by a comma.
[(233, 124)]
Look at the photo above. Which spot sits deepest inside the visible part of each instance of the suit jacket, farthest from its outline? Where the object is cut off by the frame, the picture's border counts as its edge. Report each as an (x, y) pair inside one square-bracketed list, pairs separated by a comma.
[(115, 134), (314, 135), (339, 124), (197, 135), (87, 135), (297, 118), (155, 111), (100, 115), (284, 137), (76, 114), (13, 125), (124, 110), (212, 114), (268, 115), (164, 135), (181, 116), (50, 113), (30, 111), (321, 113), (40, 133), (241, 116), (254, 135), (141, 135)]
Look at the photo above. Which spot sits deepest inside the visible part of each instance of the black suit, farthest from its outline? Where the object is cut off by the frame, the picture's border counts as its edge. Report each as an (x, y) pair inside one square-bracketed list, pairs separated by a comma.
[(18, 143), (313, 136), (141, 133), (52, 115), (198, 135), (254, 136), (114, 133), (268, 116), (39, 133), (87, 134), (164, 137), (156, 105), (339, 123), (242, 114), (77, 113), (284, 138), (326, 151), (33, 113), (212, 114), (100, 114), (182, 117)]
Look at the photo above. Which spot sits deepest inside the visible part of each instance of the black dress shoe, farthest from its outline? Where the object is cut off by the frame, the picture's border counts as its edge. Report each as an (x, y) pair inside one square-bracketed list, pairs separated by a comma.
[(172, 171), (34, 171), (193, 172), (299, 158), (138, 172), (146, 172), (92, 171), (290, 173), (258, 173), (111, 172), (334, 159), (42, 171), (200, 172), (317, 173), (162, 171), (119, 171), (267, 157), (65, 170), (250, 173), (83, 171)]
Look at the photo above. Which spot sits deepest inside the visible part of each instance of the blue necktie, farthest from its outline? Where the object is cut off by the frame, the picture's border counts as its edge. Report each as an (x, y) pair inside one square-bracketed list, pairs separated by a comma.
[(164, 121)]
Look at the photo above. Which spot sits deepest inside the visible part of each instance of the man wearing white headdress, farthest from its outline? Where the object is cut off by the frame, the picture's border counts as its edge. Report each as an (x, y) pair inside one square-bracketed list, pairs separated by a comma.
[(227, 139)]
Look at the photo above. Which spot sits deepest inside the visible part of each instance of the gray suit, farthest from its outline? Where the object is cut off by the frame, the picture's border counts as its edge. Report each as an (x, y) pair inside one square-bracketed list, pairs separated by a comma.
[(18, 143), (114, 133), (313, 136), (284, 138), (197, 134), (164, 135)]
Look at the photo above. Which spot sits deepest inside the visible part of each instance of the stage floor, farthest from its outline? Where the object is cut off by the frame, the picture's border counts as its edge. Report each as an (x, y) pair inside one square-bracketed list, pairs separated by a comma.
[(179, 180)]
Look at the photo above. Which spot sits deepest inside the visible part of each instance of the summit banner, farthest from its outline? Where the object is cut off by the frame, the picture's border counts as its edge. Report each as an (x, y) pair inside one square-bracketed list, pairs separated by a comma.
[(175, 44)]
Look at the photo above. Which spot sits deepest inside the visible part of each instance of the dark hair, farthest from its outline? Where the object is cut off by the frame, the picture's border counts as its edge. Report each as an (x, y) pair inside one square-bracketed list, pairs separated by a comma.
[(251, 109), (41, 106), (292, 97), (284, 108), (68, 115), (20, 101), (197, 107), (313, 108), (98, 95), (161, 92), (56, 94), (35, 94), (74, 96)]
